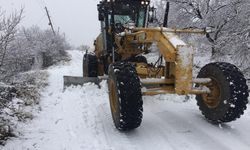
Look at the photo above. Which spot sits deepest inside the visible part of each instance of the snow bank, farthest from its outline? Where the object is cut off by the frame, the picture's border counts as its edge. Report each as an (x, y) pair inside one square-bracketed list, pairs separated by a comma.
[(21, 100)]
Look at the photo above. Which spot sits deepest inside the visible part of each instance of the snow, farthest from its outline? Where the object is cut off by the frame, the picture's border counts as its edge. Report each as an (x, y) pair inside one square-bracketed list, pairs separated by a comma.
[(79, 118), (174, 40), (185, 54)]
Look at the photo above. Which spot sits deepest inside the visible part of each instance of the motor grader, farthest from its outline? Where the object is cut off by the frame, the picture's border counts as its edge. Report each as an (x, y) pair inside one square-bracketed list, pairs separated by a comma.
[(220, 88)]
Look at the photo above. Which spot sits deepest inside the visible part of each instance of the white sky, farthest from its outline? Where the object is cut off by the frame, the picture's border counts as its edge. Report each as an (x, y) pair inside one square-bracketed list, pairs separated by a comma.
[(77, 18)]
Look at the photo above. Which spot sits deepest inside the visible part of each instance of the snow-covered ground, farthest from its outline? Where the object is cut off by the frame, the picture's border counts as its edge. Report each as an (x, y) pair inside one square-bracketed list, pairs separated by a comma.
[(79, 118)]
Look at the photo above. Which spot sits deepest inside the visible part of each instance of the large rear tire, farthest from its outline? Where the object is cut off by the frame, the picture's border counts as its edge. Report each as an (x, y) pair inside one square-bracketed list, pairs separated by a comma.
[(125, 96), (229, 93), (90, 65)]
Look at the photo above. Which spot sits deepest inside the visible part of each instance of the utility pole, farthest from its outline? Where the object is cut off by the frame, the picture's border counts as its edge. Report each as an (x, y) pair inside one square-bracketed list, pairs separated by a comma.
[(50, 22)]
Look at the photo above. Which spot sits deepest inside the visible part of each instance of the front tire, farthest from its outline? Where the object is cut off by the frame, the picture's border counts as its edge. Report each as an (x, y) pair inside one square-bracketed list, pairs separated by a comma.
[(125, 96), (229, 93)]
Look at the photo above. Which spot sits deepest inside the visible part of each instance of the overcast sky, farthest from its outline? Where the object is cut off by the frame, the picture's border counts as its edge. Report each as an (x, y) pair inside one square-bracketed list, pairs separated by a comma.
[(77, 18)]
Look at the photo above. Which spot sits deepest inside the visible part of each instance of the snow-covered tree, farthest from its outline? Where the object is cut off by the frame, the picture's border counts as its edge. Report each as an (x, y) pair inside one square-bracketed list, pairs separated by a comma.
[(8, 29), (33, 48), (229, 19), (44, 43)]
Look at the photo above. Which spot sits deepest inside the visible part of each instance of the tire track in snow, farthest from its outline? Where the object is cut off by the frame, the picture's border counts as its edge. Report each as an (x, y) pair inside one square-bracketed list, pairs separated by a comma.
[(190, 129), (86, 108), (101, 121), (114, 138), (91, 115)]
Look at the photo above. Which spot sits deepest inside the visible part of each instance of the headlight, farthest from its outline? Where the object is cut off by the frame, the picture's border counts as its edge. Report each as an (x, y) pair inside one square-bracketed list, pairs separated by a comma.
[(145, 2)]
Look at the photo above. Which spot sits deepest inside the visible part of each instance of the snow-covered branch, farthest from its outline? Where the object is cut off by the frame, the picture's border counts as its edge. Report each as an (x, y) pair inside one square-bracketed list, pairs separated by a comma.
[(8, 29)]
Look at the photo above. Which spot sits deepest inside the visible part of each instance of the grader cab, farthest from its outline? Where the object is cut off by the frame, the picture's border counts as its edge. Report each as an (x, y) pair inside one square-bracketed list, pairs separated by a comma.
[(220, 88)]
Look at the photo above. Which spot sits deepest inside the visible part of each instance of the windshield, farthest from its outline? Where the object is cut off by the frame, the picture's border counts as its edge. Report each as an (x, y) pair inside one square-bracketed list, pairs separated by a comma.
[(137, 18), (123, 19)]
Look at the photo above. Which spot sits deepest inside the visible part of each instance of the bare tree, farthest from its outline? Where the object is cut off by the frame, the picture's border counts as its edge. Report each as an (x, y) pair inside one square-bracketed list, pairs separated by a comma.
[(230, 20), (8, 29)]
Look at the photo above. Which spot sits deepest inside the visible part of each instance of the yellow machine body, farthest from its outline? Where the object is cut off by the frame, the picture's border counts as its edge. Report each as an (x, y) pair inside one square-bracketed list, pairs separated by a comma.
[(176, 76)]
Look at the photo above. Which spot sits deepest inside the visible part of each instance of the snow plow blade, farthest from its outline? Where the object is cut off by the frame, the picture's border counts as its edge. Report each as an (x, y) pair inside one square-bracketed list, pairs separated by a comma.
[(70, 80)]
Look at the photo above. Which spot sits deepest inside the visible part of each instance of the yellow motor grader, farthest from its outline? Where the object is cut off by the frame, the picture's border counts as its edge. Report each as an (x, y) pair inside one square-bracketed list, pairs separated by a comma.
[(220, 88)]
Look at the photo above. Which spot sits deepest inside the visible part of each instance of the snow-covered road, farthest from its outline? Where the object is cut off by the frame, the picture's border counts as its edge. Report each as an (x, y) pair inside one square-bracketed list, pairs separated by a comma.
[(79, 119)]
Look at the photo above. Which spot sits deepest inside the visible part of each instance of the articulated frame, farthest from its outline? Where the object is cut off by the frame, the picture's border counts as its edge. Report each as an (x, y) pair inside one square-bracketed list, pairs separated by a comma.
[(177, 76)]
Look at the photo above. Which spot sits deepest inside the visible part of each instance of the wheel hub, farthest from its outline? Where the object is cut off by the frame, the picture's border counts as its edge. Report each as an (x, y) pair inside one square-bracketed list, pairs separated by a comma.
[(212, 99)]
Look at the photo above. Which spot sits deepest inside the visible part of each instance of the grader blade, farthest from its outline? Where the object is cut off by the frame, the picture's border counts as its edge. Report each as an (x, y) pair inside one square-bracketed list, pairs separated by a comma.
[(70, 80)]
